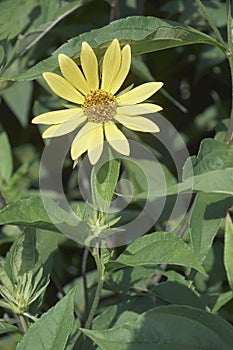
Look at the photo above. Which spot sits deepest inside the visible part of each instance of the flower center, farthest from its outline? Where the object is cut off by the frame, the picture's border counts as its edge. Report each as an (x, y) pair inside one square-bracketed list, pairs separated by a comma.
[(99, 106)]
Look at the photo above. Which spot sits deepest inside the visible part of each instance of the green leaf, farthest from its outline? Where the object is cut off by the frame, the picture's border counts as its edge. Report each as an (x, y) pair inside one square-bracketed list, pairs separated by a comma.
[(145, 34), (7, 328), (207, 216), (18, 98), (158, 248), (103, 183), (216, 181), (228, 250), (6, 160), (30, 212), (167, 327), (177, 293), (22, 256), (51, 13), (123, 311), (130, 279), (52, 330), (222, 299), (212, 155), (14, 17)]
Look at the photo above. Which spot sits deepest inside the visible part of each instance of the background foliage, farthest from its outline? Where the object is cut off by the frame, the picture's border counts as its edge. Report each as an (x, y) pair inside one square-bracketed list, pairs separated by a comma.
[(162, 288)]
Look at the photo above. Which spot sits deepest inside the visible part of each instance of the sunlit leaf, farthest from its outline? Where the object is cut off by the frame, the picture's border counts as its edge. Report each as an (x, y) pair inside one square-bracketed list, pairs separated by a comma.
[(158, 248), (145, 34)]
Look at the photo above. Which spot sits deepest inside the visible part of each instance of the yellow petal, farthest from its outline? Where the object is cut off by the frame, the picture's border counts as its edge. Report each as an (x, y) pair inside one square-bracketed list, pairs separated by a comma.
[(63, 88), (116, 138), (142, 108), (140, 93), (82, 142), (62, 129), (73, 74), (57, 117), (137, 123), (97, 136), (111, 64), (123, 71), (90, 66)]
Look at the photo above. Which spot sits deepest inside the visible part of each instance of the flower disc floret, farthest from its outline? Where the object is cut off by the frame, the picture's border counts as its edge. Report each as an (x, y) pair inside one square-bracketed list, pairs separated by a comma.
[(99, 106)]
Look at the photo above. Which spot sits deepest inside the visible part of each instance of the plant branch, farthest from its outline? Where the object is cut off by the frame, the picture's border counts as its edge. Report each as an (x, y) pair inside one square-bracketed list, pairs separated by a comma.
[(229, 134), (21, 322), (101, 276), (211, 22), (84, 266)]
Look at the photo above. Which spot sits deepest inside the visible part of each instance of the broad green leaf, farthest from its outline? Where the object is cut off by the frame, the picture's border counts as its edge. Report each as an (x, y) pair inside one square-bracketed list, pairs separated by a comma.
[(177, 293), (52, 330), (123, 311), (5, 158), (228, 250), (216, 181), (167, 327), (30, 212), (130, 279), (7, 328), (145, 34), (51, 13), (103, 183), (208, 212), (14, 17), (212, 172), (212, 155), (18, 98), (158, 248)]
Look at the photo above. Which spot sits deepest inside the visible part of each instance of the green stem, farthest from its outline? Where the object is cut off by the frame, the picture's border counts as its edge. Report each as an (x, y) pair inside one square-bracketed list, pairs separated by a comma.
[(211, 22), (84, 266), (21, 323), (101, 276), (229, 134)]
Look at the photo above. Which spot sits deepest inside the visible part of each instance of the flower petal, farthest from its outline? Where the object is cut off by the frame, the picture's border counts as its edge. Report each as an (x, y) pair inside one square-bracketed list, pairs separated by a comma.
[(111, 64), (82, 142), (123, 71), (116, 138), (140, 93), (62, 129), (57, 117), (142, 108), (73, 74), (137, 123), (90, 66), (98, 136), (63, 88)]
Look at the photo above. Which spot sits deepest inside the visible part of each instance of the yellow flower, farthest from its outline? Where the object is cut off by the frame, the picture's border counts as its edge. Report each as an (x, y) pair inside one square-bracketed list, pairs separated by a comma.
[(98, 106)]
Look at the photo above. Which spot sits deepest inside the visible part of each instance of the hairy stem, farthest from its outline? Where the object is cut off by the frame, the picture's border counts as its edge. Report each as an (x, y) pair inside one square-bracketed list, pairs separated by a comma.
[(101, 276)]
